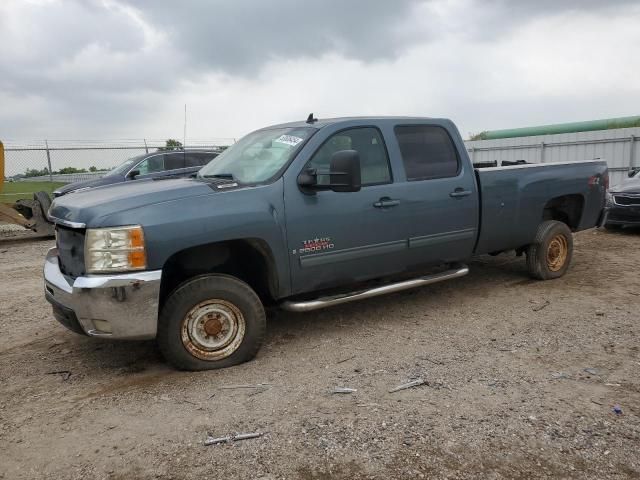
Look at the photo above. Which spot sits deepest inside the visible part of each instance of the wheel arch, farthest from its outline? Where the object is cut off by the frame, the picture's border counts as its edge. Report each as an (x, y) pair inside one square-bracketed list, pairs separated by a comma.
[(565, 208), (249, 259)]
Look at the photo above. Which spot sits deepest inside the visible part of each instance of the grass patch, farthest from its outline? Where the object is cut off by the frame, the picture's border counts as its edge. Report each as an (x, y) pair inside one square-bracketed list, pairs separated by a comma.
[(12, 191)]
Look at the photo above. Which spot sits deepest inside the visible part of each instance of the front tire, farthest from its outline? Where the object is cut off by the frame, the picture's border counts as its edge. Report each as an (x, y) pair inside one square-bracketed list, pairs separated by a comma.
[(549, 256), (211, 321)]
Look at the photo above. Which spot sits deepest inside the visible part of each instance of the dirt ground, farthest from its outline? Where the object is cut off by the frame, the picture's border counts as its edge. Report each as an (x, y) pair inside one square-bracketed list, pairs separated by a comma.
[(504, 358)]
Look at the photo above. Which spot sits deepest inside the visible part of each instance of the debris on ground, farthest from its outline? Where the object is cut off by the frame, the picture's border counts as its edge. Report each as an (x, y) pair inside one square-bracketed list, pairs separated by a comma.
[(537, 308), (66, 374), (346, 359), (344, 390), (231, 438), (259, 390), (435, 362), (617, 409), (560, 375), (404, 386), (591, 371), (233, 387)]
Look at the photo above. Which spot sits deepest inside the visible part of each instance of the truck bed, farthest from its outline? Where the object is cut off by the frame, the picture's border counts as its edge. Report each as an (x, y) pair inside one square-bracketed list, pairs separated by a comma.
[(515, 199)]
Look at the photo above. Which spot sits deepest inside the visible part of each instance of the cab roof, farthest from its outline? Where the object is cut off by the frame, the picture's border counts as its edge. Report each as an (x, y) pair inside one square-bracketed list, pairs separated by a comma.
[(323, 122)]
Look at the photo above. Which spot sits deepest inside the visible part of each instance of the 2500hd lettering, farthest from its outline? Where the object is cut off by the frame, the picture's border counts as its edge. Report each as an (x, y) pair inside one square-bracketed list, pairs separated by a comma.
[(302, 216)]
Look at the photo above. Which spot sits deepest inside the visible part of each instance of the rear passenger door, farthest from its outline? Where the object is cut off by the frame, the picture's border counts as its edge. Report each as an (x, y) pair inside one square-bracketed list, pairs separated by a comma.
[(440, 195)]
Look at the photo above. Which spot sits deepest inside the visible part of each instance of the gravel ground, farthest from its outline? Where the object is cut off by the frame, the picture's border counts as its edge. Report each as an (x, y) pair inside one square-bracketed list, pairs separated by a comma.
[(504, 358)]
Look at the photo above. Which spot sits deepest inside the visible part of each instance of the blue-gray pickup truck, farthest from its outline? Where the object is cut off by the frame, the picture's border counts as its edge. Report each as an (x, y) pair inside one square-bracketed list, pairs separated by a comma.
[(301, 216)]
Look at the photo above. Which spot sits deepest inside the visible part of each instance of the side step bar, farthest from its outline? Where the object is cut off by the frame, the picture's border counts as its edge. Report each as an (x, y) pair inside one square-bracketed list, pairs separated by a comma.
[(323, 302)]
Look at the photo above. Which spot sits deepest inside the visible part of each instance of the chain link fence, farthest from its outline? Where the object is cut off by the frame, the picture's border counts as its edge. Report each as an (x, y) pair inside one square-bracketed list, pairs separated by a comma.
[(47, 164)]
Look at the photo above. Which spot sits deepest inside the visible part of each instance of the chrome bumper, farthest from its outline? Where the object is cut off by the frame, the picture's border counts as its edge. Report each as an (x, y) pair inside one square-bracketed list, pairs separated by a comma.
[(123, 306)]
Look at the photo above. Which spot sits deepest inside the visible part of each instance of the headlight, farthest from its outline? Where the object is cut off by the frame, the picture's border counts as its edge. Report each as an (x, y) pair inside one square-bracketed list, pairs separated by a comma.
[(115, 249), (609, 198)]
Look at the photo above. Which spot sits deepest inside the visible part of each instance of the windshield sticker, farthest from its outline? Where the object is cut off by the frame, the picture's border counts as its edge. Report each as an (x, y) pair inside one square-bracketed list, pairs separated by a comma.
[(288, 140)]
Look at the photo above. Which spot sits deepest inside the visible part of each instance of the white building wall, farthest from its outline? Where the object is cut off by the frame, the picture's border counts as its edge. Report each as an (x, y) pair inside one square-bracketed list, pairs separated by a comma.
[(619, 147)]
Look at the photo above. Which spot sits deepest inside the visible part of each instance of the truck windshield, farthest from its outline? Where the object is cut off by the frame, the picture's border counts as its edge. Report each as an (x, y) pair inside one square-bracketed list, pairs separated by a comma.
[(124, 167), (258, 156)]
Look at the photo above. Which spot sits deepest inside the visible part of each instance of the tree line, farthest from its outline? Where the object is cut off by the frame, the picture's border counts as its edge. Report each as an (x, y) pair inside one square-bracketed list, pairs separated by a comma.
[(35, 172)]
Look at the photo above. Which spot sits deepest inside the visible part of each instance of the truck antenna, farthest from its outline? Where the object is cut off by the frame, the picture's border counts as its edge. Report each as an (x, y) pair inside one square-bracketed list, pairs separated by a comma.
[(184, 133), (310, 119)]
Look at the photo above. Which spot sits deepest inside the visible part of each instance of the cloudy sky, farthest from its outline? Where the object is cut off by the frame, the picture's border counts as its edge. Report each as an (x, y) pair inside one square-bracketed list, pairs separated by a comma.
[(106, 69)]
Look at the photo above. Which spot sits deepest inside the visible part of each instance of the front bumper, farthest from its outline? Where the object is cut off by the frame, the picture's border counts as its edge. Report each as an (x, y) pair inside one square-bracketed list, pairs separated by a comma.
[(123, 306), (623, 215)]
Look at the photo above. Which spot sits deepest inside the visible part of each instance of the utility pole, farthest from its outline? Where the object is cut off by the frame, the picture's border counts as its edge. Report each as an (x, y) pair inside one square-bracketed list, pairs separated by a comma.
[(46, 143)]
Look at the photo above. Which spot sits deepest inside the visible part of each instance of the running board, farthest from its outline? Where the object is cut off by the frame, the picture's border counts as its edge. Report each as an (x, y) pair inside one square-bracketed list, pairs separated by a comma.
[(323, 302)]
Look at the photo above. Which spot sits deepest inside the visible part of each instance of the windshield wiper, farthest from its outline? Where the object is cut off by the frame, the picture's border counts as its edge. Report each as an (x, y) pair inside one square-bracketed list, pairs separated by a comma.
[(220, 175)]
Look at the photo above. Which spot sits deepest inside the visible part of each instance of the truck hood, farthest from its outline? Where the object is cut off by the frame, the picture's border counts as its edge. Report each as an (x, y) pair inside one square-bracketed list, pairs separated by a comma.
[(96, 182), (629, 185), (89, 206)]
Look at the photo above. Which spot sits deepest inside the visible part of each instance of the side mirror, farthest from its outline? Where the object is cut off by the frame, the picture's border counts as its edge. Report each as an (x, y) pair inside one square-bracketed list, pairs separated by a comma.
[(344, 174), (133, 174), (632, 172)]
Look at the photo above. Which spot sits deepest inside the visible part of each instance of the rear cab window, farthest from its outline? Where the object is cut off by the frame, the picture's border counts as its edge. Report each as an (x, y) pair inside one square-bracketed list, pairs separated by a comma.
[(427, 152)]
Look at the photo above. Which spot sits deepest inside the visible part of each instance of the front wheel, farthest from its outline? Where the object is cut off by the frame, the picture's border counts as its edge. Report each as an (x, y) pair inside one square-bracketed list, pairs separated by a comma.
[(550, 253), (211, 321)]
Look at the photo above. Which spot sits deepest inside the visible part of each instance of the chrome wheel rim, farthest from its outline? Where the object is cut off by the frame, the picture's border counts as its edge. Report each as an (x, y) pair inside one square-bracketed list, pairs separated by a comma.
[(213, 329)]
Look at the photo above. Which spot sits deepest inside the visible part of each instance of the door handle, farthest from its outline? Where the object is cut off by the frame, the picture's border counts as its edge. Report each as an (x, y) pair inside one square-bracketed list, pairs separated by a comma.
[(458, 193), (386, 202)]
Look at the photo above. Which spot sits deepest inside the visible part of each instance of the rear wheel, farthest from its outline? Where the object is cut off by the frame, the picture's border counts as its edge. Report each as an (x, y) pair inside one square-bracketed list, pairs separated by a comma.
[(212, 321), (549, 256)]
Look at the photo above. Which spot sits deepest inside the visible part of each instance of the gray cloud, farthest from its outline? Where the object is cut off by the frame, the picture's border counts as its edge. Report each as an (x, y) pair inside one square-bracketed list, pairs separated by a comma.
[(242, 35), (102, 65)]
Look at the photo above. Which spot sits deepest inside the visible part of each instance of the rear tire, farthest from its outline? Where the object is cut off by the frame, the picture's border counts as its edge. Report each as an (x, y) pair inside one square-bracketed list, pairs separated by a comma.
[(549, 256), (211, 321)]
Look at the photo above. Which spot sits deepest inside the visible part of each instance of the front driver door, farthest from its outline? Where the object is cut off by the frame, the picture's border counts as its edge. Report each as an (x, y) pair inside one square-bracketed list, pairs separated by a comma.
[(338, 238)]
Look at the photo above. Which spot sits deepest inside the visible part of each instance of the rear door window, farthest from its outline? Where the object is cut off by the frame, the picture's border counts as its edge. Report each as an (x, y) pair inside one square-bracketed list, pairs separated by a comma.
[(174, 161), (427, 152), (198, 159)]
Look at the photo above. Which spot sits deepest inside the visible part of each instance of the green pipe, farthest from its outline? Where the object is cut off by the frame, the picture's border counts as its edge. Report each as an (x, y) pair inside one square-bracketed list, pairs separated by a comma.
[(591, 125)]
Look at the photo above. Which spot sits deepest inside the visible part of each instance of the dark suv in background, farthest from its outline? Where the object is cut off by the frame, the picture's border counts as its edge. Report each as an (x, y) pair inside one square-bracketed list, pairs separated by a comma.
[(174, 163), (623, 203)]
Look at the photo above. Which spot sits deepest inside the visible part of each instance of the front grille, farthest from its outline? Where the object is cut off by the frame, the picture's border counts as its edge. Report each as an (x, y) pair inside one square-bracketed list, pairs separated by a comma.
[(625, 200), (617, 216), (70, 243)]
